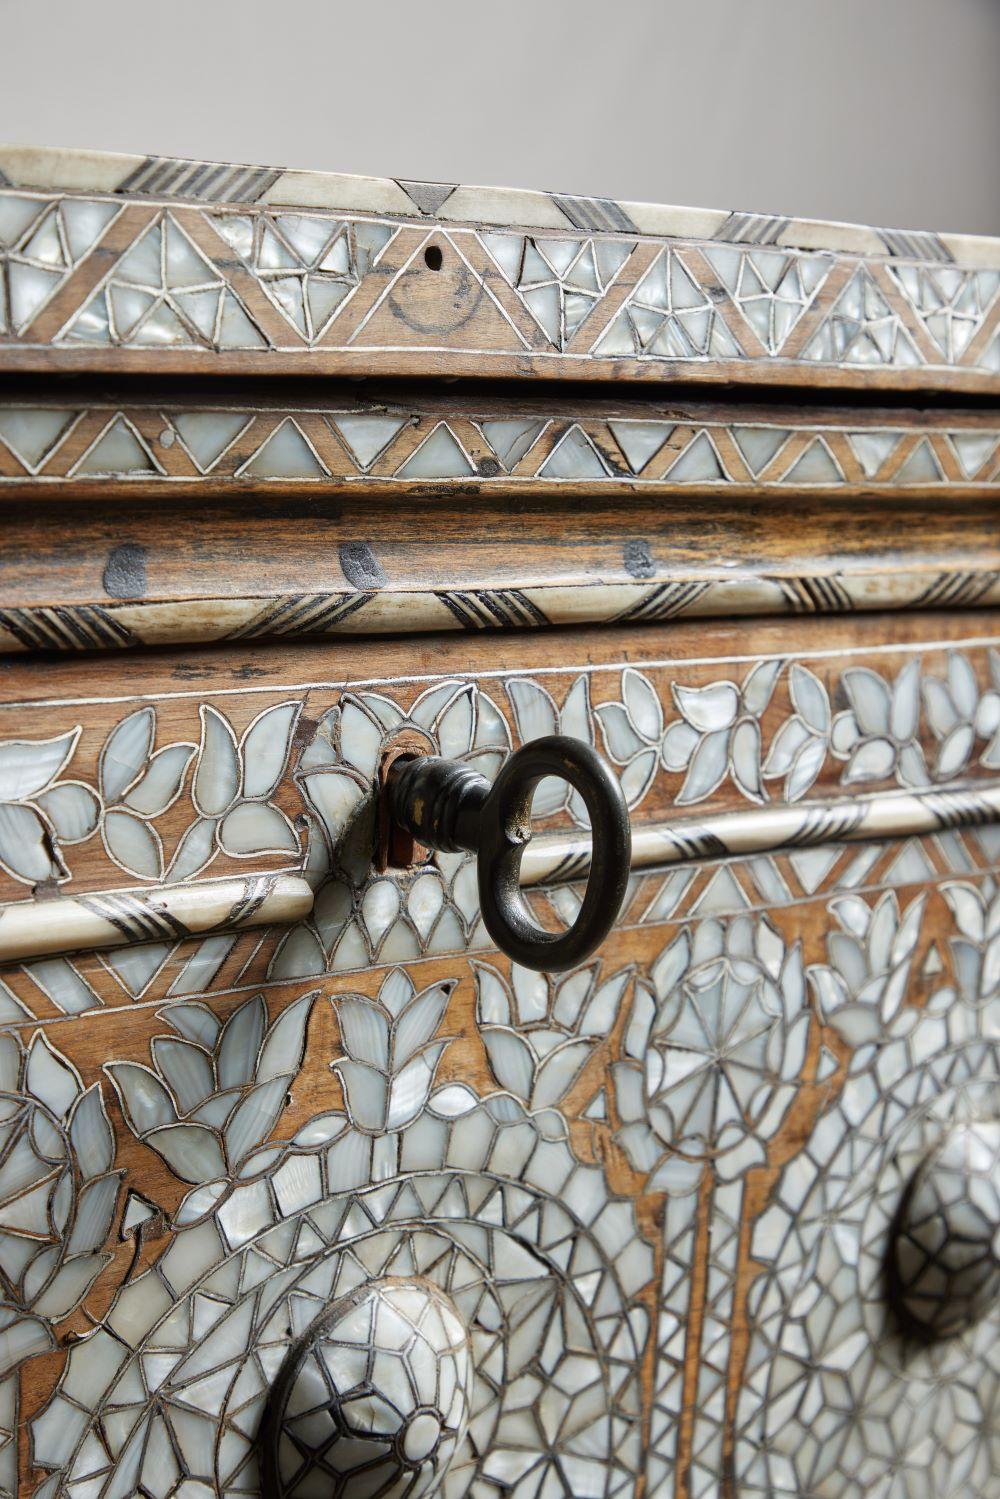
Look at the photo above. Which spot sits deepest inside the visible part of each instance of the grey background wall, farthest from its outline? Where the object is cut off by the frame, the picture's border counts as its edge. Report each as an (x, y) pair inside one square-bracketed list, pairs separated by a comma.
[(884, 111)]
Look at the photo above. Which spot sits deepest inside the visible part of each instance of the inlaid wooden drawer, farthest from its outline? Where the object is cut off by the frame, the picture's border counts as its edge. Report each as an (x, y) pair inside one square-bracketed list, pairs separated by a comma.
[(307, 1188), (632, 1167)]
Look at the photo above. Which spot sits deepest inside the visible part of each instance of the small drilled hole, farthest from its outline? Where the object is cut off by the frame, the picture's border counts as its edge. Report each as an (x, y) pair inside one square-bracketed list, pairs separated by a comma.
[(433, 258)]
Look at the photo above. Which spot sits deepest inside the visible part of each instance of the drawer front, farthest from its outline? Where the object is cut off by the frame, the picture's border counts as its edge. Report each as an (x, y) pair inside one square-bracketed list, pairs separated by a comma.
[(148, 271), (348, 1198)]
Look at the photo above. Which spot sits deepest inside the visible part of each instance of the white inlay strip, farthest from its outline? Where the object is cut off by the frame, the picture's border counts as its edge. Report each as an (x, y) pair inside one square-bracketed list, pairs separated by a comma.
[(163, 913), (767, 829)]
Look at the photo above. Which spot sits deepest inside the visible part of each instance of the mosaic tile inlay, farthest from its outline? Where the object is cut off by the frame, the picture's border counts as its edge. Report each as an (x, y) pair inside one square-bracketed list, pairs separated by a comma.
[(396, 447), (535, 1265), (721, 1201), (133, 275), (412, 1199)]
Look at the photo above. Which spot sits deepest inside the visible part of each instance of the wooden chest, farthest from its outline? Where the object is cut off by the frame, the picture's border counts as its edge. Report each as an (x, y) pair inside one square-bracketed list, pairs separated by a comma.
[(307, 1188)]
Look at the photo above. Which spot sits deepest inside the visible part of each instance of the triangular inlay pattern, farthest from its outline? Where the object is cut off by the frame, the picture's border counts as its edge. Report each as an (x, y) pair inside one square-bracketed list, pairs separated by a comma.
[(439, 456), (816, 465), (574, 457), (861, 328), (119, 450), (510, 438), (921, 467), (670, 317), (208, 434), (367, 436), (286, 454), (640, 441), (33, 436), (771, 288), (698, 464)]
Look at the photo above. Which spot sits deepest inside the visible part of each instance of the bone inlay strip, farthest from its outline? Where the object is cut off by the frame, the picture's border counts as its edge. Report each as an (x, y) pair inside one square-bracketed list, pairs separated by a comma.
[(111, 918), (768, 829), (102, 625)]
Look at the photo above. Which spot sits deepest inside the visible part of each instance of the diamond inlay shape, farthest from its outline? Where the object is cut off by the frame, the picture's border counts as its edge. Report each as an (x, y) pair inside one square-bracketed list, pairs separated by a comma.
[(164, 292), (559, 280), (669, 316), (862, 329), (772, 289), (951, 302)]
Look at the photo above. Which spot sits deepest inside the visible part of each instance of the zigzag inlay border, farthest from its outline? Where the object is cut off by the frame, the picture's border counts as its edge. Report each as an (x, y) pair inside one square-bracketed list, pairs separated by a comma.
[(169, 275), (549, 446)]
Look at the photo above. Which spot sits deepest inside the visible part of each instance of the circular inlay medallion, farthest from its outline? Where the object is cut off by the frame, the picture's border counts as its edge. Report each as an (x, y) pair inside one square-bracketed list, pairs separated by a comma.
[(373, 1399), (946, 1252)]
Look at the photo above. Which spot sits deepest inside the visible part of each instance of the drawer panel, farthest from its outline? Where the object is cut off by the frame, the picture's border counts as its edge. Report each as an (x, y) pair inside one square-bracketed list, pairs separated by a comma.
[(658, 1186), (637, 1215), (250, 767), (392, 509), (332, 276)]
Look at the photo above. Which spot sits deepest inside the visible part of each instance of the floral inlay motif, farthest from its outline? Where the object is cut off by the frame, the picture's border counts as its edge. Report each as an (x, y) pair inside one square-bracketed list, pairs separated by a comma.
[(479, 1198), (540, 1030), (713, 1052), (799, 749), (482, 1190), (232, 789), (536, 715), (861, 989), (975, 950), (877, 734), (959, 714), (717, 734), (58, 1193), (214, 1091), (775, 733), (137, 784), (392, 1056), (38, 810)]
